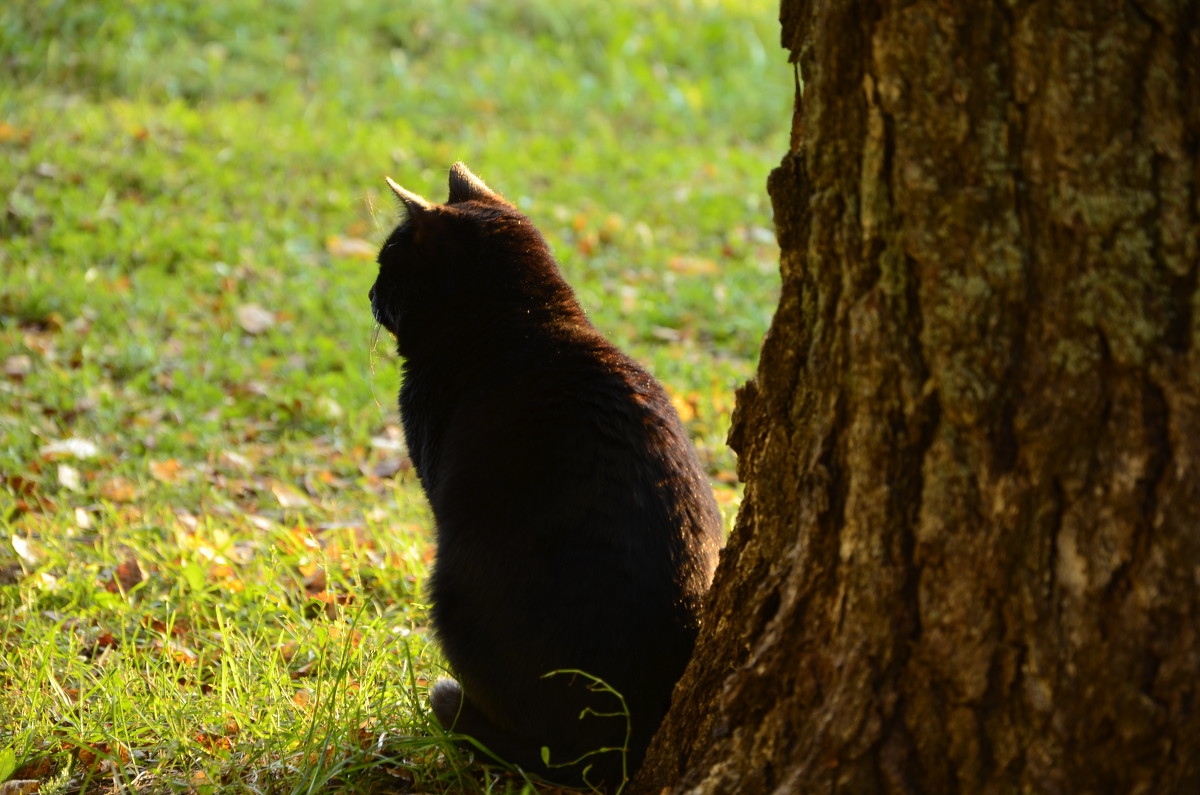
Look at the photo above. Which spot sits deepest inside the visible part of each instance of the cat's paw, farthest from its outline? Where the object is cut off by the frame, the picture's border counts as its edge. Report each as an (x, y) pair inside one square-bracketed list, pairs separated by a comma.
[(445, 697)]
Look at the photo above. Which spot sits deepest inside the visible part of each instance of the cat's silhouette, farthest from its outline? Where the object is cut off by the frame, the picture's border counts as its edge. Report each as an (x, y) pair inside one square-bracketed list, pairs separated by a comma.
[(576, 530)]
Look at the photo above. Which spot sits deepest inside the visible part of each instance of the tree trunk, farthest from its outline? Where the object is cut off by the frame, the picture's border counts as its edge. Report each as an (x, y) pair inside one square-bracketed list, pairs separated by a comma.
[(968, 559)]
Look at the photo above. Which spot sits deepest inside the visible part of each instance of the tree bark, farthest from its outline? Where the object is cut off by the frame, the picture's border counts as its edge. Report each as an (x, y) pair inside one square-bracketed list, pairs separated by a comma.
[(968, 558)]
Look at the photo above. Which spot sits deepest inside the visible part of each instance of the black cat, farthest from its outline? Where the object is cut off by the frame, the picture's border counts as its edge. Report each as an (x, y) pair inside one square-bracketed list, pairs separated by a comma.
[(575, 528)]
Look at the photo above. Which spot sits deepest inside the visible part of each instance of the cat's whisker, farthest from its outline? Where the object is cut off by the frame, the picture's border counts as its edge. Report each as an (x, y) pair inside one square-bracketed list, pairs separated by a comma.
[(374, 215), (371, 363)]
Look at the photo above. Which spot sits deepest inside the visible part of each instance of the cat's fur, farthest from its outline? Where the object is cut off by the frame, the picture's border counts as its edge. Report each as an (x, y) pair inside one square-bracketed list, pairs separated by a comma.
[(575, 528)]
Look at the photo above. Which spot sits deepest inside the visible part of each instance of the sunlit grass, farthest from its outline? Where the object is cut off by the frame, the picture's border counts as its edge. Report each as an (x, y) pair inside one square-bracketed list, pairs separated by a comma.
[(212, 549)]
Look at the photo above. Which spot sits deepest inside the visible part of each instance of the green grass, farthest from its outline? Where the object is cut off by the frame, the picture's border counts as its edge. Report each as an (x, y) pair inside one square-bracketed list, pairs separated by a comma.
[(219, 586)]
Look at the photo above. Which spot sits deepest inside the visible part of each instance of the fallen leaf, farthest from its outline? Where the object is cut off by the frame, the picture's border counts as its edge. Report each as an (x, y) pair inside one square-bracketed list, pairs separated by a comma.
[(39, 768), (24, 550), (100, 757), (118, 489), (236, 460), (181, 653), (125, 577), (666, 334), (389, 467), (350, 247), (392, 438), (19, 787), (212, 742), (254, 319), (686, 408), (73, 447), (692, 266), (10, 133), (18, 366), (289, 497), (69, 478), (23, 487), (167, 471)]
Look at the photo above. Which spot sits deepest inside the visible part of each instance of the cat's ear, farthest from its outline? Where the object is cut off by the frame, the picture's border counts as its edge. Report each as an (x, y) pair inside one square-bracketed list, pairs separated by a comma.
[(465, 186), (412, 202)]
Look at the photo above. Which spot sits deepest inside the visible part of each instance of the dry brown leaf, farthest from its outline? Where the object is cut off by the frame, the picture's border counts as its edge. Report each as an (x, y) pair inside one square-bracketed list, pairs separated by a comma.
[(126, 575), (118, 489), (41, 768), (167, 471), (18, 366), (236, 460), (389, 467), (692, 266), (101, 756), (254, 319), (19, 787), (212, 742), (289, 497), (10, 133), (350, 247)]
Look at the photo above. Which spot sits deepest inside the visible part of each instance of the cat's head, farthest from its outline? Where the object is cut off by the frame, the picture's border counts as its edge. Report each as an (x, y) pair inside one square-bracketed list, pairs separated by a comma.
[(469, 263)]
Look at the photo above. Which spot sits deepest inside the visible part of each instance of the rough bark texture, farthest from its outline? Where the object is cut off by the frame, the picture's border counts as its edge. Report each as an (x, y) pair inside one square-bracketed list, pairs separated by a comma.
[(969, 554)]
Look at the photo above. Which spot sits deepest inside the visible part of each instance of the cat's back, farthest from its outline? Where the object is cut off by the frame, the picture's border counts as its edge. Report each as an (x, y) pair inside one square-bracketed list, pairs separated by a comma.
[(568, 416), (566, 462)]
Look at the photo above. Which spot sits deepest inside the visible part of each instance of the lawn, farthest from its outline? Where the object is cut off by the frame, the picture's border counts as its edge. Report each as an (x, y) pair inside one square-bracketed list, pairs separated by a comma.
[(212, 546)]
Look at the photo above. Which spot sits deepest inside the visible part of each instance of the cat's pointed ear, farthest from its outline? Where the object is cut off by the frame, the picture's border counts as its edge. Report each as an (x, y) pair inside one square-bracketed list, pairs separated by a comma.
[(465, 186), (412, 202)]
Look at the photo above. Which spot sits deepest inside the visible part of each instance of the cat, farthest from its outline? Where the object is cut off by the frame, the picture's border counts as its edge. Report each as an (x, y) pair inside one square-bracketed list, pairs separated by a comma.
[(576, 531)]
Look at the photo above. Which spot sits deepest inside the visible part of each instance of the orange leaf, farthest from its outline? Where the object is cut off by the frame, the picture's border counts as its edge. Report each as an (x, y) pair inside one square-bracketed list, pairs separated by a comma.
[(127, 575), (165, 471), (692, 266), (118, 489), (11, 133)]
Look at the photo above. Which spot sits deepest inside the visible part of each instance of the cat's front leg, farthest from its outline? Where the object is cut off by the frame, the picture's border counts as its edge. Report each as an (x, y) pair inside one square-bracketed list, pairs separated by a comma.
[(446, 698), (456, 712)]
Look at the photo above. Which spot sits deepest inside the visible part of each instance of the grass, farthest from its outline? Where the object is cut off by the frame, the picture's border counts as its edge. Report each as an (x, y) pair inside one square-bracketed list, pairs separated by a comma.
[(212, 550)]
